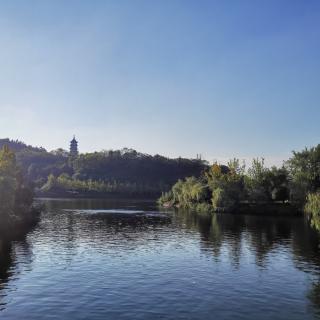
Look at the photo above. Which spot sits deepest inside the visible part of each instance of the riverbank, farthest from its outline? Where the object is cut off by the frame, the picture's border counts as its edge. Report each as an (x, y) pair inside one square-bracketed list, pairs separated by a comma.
[(96, 195), (271, 209)]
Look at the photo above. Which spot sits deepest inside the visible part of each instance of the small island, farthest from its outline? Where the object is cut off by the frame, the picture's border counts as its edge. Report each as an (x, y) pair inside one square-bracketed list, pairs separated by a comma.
[(291, 189)]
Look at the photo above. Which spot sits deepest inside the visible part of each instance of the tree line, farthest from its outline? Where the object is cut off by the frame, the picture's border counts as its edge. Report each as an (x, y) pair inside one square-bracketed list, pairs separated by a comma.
[(124, 171)]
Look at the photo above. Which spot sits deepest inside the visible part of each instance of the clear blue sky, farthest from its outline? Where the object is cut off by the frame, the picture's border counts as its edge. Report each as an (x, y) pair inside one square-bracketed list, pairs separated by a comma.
[(221, 78)]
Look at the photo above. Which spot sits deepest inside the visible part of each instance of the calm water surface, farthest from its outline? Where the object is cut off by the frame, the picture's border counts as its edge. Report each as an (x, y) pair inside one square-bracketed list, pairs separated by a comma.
[(94, 259)]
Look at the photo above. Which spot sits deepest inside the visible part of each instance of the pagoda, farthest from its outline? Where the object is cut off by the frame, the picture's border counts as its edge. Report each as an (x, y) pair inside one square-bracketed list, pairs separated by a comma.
[(74, 148)]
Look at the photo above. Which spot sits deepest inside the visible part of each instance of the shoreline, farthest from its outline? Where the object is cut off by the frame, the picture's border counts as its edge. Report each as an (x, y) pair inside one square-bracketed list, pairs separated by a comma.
[(265, 209), (64, 195)]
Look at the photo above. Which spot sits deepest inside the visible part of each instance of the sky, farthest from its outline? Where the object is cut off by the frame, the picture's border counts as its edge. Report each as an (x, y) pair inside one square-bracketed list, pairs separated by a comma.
[(221, 78)]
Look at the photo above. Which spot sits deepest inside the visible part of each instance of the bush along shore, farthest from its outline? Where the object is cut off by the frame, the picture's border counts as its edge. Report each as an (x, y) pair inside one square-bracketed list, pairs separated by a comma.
[(17, 212), (292, 189)]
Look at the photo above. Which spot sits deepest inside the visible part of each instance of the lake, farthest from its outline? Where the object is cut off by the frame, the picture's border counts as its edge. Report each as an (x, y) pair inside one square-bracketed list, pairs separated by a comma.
[(126, 259)]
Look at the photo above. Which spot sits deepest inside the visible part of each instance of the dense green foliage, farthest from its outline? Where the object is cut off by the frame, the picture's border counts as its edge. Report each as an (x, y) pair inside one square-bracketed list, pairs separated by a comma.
[(16, 197), (304, 168), (114, 171), (64, 183), (226, 187)]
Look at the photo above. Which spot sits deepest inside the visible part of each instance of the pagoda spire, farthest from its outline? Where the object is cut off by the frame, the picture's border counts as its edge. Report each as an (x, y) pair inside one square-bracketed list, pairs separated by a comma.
[(74, 147)]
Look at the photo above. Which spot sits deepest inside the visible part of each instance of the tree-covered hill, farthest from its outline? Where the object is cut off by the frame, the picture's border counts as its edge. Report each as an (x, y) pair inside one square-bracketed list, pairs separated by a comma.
[(16, 145), (123, 171), (37, 163)]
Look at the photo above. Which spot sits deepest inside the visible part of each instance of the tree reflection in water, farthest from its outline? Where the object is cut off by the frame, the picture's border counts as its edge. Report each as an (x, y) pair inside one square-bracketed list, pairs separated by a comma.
[(15, 257), (261, 235)]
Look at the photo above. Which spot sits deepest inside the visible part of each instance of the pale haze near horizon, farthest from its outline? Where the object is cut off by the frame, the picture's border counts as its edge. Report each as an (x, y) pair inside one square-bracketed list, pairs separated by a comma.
[(177, 78)]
